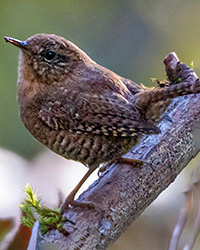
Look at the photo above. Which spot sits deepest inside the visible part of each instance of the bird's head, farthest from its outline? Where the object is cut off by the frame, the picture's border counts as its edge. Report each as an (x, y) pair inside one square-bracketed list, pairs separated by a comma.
[(48, 58)]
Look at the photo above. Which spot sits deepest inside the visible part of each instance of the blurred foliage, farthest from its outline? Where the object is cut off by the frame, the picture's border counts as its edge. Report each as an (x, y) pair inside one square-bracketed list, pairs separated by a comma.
[(5, 226), (129, 37), (20, 239)]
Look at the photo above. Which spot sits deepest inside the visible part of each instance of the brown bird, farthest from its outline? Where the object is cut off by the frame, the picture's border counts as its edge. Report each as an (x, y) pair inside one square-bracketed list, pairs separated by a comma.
[(81, 110)]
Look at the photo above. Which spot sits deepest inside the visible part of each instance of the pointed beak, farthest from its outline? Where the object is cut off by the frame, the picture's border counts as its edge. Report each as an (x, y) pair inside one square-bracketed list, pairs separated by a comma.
[(20, 44)]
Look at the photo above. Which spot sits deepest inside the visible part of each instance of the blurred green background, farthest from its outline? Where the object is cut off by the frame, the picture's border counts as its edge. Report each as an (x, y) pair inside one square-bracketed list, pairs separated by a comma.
[(129, 37)]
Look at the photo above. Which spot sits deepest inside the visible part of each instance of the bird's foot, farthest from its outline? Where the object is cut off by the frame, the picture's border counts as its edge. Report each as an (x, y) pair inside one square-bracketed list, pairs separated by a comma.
[(71, 202), (134, 162)]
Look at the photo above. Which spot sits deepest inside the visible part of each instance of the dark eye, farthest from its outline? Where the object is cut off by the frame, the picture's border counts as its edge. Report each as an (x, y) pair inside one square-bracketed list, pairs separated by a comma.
[(49, 55)]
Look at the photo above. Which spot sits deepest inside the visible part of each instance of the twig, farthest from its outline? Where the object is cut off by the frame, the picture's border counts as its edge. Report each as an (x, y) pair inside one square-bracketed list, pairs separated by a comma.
[(196, 227), (183, 217)]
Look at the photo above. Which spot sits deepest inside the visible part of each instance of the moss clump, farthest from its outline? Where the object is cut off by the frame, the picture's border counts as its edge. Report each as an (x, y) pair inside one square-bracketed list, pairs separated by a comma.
[(34, 211)]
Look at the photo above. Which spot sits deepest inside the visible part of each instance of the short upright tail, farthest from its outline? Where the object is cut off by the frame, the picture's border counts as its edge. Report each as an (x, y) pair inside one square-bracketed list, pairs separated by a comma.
[(144, 98)]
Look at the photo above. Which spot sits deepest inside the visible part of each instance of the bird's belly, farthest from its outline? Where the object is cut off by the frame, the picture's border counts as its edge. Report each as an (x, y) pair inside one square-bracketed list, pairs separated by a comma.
[(86, 148)]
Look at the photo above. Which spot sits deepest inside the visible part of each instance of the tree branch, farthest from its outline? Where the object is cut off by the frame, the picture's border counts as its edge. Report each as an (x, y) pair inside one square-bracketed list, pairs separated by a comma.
[(123, 192)]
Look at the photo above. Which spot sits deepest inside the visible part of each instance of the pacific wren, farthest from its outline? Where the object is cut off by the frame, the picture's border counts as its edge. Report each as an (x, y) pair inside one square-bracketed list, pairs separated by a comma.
[(81, 110)]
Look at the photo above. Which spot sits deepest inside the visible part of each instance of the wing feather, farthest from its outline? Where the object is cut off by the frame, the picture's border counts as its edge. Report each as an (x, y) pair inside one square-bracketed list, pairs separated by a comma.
[(97, 114)]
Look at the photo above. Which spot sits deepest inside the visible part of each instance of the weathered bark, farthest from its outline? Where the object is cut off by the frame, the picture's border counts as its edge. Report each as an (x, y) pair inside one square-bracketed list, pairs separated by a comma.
[(123, 192)]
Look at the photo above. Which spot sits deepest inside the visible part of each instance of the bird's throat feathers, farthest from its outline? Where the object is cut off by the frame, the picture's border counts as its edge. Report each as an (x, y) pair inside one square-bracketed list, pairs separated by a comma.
[(27, 85)]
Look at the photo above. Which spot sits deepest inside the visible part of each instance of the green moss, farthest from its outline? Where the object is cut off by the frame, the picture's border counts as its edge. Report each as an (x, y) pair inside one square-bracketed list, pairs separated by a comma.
[(153, 79), (49, 218), (179, 80)]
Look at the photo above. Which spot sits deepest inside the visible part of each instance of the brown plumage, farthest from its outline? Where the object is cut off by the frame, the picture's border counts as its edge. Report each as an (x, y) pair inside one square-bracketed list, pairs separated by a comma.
[(80, 109)]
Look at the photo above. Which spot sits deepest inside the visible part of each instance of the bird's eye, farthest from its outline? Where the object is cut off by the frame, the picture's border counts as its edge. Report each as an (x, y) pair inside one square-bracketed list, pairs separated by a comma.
[(49, 55)]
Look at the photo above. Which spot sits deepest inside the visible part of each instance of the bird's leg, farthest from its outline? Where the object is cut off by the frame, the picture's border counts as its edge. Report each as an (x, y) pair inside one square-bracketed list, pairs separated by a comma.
[(70, 198), (134, 162)]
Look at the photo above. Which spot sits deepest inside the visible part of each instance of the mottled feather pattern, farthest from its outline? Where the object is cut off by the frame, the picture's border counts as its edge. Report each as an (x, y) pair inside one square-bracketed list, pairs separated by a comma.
[(97, 114)]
